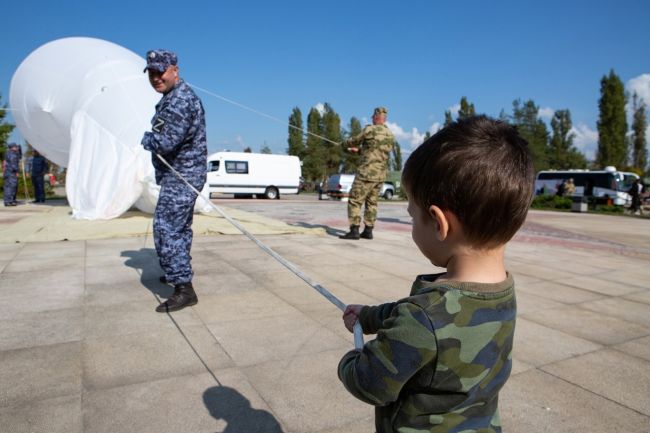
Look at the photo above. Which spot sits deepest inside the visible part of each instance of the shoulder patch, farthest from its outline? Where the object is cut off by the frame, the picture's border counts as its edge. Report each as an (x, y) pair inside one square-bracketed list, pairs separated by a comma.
[(158, 124)]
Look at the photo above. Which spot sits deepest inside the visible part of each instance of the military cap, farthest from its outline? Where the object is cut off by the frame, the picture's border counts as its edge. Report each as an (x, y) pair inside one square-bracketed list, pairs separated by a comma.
[(160, 60), (380, 110)]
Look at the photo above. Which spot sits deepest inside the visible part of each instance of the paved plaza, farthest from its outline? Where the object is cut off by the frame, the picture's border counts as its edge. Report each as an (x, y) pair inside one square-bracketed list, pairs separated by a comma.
[(82, 350)]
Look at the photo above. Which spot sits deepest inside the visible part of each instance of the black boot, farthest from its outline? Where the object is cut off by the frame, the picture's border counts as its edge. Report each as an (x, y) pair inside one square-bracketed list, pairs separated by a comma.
[(352, 234), (183, 296), (367, 232)]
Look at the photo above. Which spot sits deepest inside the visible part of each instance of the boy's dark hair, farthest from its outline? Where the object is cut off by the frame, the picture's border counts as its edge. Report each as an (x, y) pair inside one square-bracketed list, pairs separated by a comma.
[(481, 170)]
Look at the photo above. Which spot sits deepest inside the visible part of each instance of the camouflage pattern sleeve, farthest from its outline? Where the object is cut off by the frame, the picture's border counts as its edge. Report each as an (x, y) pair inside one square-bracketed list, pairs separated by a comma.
[(405, 343), (172, 124), (358, 139), (372, 318)]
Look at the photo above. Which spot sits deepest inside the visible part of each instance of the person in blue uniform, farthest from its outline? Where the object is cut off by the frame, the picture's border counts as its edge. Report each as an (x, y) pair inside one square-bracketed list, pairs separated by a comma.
[(177, 135), (10, 173), (38, 170)]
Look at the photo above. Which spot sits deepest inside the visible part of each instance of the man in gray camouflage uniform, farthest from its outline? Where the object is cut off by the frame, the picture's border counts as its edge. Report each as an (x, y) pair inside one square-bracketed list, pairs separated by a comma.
[(374, 144), (10, 174), (178, 135)]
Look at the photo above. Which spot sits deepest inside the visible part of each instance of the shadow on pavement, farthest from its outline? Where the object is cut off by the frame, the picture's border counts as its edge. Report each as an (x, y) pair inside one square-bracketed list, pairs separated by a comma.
[(145, 262), (394, 220), (227, 404), (329, 230)]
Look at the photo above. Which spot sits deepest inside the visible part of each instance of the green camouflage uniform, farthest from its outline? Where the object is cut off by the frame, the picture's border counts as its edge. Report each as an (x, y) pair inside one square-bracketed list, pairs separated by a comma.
[(439, 360), (375, 143)]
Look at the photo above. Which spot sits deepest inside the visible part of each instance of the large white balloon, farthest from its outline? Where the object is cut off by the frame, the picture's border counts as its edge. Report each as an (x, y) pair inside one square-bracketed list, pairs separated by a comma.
[(85, 103)]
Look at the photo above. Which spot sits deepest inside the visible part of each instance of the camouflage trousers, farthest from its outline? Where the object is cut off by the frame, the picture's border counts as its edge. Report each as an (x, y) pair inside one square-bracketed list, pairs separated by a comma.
[(363, 192), (172, 230), (10, 187)]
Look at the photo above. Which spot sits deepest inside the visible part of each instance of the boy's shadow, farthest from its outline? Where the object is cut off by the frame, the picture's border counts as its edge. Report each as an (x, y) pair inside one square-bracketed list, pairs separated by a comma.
[(145, 262), (229, 405)]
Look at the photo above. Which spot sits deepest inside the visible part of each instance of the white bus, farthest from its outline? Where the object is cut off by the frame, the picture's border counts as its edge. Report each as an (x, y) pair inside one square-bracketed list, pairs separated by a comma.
[(604, 185), (245, 174)]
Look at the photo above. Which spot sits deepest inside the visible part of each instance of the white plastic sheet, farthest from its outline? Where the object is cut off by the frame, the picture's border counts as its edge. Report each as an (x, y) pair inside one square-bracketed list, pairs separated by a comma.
[(85, 103)]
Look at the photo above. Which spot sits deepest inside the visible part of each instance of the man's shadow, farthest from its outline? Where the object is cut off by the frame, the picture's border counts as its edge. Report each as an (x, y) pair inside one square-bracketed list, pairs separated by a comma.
[(229, 405), (145, 262), (329, 230), (394, 220)]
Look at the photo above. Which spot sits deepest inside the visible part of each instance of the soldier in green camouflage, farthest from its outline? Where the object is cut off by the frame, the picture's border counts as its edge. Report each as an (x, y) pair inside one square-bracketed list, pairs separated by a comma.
[(442, 354), (374, 144)]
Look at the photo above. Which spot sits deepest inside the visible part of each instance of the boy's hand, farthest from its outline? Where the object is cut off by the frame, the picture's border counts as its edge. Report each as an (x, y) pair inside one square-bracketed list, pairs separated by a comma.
[(351, 315)]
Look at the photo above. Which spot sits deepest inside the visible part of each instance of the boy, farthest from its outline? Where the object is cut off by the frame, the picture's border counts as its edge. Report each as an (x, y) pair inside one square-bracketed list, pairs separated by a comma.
[(442, 354)]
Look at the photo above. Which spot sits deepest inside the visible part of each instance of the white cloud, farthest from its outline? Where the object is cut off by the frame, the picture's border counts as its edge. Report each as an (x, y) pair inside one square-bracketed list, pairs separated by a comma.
[(585, 140), (640, 85), (320, 107), (413, 137), (546, 113), (454, 110)]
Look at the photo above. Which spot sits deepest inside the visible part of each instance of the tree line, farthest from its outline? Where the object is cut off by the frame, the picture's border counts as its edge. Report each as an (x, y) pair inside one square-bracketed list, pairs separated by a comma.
[(320, 148), (551, 149)]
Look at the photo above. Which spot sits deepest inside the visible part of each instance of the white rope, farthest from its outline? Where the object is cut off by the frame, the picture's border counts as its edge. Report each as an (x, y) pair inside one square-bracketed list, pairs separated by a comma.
[(268, 116), (358, 333)]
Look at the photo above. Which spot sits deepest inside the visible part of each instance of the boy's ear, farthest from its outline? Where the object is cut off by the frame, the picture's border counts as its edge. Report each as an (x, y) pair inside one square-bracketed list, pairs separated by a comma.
[(440, 222)]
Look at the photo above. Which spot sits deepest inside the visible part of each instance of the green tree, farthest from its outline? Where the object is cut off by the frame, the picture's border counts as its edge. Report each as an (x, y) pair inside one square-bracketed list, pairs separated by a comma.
[(639, 127), (265, 149), (532, 129), (248, 149), (313, 167), (5, 130), (612, 124), (561, 153), (296, 139), (331, 130), (351, 160), (466, 109), (396, 157)]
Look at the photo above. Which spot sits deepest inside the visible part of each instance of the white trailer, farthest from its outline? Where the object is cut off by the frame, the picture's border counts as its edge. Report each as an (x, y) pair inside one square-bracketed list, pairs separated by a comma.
[(245, 174)]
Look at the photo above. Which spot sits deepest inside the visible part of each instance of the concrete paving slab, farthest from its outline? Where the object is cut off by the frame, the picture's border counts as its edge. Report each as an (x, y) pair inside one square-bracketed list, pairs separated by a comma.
[(133, 317), (22, 264), (528, 302), (141, 357), (556, 291), (587, 324), (236, 306), (194, 403), (300, 385), (250, 342), (601, 285), (622, 308), (38, 373), (35, 291), (614, 375), (43, 250), (539, 345), (639, 348), (54, 415), (41, 328), (535, 401), (642, 296)]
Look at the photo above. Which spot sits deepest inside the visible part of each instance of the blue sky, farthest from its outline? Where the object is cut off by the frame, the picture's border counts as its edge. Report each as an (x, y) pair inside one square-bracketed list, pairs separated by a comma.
[(415, 57)]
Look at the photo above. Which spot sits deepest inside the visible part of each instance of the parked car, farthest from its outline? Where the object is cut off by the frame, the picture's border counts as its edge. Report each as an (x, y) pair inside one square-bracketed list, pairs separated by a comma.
[(338, 186)]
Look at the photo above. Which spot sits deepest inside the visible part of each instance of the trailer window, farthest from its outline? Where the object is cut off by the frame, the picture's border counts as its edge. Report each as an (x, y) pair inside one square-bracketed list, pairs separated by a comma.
[(214, 166), (237, 167)]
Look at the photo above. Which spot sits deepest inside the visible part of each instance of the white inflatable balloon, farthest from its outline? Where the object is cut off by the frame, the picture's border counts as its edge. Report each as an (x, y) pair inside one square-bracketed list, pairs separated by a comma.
[(85, 103)]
